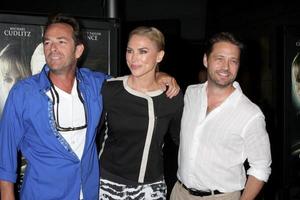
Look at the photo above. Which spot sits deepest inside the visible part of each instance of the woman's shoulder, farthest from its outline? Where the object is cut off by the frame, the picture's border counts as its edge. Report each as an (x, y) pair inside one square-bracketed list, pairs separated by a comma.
[(114, 82), (113, 86)]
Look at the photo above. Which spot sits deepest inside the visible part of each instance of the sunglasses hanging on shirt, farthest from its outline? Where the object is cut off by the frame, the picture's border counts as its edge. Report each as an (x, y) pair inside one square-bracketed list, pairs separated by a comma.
[(55, 99)]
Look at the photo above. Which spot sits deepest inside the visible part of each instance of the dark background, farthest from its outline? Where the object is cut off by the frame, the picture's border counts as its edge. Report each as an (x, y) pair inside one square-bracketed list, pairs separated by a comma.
[(262, 25)]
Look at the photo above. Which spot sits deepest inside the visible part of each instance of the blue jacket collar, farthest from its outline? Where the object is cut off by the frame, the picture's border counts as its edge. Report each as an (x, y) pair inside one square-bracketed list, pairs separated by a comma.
[(44, 81)]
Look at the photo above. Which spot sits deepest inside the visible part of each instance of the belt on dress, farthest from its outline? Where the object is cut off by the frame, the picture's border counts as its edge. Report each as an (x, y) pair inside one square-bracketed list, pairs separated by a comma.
[(200, 192)]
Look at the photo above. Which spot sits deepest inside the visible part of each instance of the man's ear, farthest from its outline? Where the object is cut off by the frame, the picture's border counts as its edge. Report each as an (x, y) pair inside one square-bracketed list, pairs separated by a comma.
[(160, 56), (79, 50), (205, 60)]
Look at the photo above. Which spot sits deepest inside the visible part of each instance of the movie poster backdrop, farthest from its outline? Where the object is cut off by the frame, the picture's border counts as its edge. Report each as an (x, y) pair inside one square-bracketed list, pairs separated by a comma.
[(292, 109)]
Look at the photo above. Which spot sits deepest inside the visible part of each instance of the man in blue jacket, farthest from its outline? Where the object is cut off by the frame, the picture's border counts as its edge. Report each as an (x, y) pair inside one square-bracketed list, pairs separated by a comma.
[(51, 118)]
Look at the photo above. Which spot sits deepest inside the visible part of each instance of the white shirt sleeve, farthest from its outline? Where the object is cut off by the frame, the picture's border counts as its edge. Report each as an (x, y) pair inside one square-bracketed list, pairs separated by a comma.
[(257, 148)]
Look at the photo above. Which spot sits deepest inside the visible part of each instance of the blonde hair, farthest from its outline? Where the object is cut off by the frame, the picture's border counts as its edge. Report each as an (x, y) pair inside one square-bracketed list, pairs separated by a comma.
[(151, 33)]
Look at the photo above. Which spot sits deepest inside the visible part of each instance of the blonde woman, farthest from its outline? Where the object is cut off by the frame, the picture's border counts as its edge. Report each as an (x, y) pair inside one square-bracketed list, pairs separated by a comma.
[(138, 116)]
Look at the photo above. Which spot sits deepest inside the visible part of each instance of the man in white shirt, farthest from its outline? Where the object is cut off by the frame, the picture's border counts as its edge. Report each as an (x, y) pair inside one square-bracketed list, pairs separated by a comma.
[(221, 129)]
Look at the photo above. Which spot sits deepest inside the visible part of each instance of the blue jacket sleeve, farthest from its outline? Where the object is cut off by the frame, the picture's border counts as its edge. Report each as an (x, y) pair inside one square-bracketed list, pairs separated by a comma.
[(11, 132)]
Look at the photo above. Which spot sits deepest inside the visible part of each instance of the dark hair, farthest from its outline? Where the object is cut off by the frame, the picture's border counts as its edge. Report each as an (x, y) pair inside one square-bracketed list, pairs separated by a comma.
[(222, 37), (60, 18)]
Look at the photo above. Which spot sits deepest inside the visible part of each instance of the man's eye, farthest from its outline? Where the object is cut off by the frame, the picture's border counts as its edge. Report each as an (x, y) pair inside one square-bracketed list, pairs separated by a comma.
[(143, 51), (235, 62)]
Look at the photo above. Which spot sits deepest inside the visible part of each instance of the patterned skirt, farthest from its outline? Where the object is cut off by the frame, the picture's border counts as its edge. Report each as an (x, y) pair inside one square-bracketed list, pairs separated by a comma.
[(110, 190)]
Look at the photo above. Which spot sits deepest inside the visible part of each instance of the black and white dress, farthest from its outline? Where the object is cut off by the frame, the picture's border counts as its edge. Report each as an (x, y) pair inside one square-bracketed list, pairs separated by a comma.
[(132, 139)]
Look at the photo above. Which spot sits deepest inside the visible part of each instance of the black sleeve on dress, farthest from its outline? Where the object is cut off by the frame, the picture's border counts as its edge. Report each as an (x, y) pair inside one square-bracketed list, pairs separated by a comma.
[(101, 126)]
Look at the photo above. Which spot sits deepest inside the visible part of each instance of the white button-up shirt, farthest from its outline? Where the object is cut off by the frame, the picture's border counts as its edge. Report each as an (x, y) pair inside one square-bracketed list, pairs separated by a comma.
[(213, 147)]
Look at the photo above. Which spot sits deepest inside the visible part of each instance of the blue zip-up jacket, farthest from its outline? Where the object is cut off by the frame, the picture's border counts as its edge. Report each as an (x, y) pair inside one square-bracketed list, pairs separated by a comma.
[(27, 125)]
